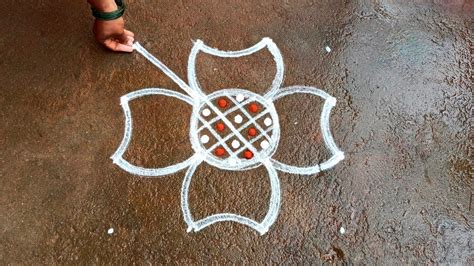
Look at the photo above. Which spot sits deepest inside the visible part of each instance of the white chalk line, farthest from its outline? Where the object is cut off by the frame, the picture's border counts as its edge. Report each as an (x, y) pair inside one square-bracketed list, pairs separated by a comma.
[(239, 150), (197, 99), (192, 91), (267, 106), (227, 112), (251, 118), (233, 129), (238, 165), (244, 126), (254, 139), (183, 85), (216, 135)]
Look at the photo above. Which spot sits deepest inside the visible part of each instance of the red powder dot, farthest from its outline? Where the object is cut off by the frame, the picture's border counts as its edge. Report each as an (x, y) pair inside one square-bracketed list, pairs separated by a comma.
[(253, 107), (220, 127), (252, 132), (248, 154), (222, 103), (219, 151)]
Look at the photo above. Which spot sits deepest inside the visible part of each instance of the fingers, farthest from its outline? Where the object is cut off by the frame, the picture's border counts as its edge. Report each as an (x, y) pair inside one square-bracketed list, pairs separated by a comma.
[(122, 38), (129, 41), (117, 46), (121, 43), (128, 33), (126, 38)]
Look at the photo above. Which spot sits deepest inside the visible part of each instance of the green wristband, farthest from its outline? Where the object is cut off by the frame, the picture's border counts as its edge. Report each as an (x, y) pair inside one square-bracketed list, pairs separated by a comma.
[(110, 15)]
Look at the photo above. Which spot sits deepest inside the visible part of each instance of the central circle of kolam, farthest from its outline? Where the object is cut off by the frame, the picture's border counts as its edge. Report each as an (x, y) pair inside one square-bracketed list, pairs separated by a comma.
[(216, 119)]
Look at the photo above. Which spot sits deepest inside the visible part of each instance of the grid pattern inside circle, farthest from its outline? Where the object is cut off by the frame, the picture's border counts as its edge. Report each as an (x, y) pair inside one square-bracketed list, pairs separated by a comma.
[(239, 115)]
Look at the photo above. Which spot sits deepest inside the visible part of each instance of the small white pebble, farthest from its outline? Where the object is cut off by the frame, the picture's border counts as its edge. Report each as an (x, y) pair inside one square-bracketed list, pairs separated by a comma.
[(264, 144), (267, 121), (240, 97), (110, 231), (204, 139), (206, 112), (238, 119), (342, 230), (296, 123), (235, 144), (328, 49)]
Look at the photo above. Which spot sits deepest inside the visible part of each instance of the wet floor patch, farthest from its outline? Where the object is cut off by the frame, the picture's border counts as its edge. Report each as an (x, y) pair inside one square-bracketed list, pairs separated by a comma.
[(401, 73)]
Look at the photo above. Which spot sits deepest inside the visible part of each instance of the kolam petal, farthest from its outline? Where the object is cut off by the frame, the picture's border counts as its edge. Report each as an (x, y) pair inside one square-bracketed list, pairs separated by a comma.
[(262, 227), (267, 43), (337, 154), (117, 157)]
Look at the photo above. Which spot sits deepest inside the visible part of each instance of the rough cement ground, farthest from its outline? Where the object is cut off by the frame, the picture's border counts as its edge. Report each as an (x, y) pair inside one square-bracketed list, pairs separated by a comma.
[(401, 71)]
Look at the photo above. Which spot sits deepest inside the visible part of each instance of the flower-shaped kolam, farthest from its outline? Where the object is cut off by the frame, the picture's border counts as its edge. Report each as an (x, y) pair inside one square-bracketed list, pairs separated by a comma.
[(232, 129)]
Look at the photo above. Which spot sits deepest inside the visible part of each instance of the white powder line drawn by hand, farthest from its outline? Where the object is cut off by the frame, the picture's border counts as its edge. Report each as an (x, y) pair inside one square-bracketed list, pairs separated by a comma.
[(243, 154)]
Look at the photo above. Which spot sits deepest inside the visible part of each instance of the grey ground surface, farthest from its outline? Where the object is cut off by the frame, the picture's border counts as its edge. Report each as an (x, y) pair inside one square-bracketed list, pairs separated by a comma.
[(400, 70)]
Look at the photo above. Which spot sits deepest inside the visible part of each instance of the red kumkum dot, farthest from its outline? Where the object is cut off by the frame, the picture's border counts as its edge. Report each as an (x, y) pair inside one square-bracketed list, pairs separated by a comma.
[(248, 154), (219, 151), (252, 132), (222, 103), (220, 127), (253, 107)]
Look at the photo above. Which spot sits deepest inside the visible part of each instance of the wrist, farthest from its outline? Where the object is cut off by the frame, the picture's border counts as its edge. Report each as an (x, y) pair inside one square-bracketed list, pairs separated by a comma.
[(108, 10)]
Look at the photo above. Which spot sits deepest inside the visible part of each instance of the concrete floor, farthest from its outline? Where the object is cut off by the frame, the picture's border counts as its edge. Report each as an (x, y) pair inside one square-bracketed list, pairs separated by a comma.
[(402, 74)]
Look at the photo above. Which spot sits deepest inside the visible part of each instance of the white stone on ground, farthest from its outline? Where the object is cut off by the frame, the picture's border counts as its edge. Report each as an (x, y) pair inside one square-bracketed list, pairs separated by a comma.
[(240, 97), (342, 230), (264, 144), (267, 121), (204, 139), (235, 144), (238, 119), (206, 112)]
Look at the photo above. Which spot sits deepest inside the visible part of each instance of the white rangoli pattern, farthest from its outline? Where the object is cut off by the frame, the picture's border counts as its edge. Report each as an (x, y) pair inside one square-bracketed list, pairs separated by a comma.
[(245, 119)]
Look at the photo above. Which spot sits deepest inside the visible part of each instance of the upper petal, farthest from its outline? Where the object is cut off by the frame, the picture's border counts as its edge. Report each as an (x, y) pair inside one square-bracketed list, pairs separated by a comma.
[(336, 154), (117, 157), (267, 43)]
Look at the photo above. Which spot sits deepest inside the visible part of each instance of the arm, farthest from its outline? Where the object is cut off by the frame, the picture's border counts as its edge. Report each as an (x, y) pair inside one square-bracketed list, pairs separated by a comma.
[(111, 33)]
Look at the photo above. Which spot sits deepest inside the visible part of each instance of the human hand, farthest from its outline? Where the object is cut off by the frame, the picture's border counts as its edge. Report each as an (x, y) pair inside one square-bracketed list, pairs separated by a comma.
[(113, 35)]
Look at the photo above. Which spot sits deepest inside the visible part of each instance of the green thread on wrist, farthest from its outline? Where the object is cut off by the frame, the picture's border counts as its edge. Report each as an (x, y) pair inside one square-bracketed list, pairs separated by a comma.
[(110, 15)]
